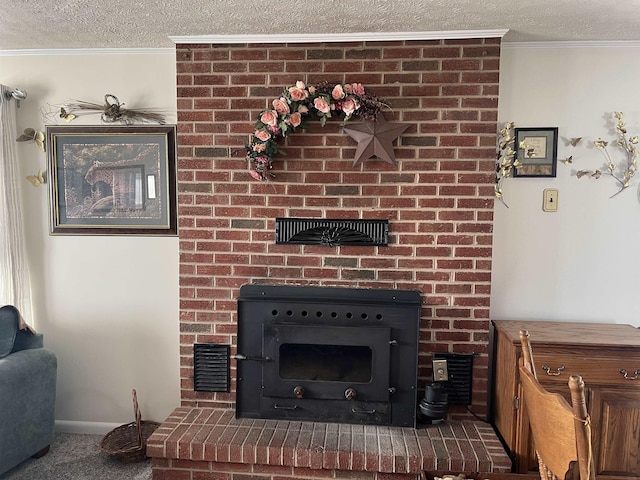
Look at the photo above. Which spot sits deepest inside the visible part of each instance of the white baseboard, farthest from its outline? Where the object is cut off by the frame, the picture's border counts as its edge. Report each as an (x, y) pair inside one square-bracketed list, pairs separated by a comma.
[(87, 428)]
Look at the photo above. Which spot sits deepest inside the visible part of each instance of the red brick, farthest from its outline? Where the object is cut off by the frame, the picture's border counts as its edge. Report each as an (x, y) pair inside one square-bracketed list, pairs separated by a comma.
[(212, 55), (441, 52), (465, 64), (167, 474), (432, 190), (401, 52)]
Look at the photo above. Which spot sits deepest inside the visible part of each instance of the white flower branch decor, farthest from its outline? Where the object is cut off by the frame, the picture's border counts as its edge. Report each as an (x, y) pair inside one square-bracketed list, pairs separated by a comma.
[(506, 159), (622, 173)]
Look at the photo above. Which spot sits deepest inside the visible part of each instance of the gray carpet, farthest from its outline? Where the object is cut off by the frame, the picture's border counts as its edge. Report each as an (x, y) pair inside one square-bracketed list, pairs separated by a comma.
[(78, 457)]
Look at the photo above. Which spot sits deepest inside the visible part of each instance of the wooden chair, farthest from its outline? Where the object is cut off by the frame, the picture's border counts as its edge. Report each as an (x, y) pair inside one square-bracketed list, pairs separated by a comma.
[(561, 433)]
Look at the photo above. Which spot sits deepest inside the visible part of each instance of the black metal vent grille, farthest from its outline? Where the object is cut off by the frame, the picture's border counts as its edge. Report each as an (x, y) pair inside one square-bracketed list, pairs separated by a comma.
[(211, 367), (460, 367), (311, 231)]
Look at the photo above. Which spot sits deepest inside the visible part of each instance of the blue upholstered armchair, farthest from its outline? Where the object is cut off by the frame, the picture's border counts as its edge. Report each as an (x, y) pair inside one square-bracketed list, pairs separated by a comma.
[(27, 392)]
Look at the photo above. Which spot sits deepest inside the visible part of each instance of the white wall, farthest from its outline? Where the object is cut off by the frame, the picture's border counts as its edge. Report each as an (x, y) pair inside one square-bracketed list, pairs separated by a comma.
[(108, 306), (582, 262)]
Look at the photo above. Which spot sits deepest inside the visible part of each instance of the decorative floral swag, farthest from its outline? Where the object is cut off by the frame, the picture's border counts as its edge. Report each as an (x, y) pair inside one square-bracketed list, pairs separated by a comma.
[(294, 106)]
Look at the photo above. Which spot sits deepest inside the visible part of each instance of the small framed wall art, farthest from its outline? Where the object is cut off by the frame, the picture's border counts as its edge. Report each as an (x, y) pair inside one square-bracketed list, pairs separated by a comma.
[(536, 152), (112, 180)]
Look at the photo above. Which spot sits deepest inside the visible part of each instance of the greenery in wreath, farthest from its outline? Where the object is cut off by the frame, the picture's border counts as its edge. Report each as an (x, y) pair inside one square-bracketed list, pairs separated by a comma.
[(294, 106)]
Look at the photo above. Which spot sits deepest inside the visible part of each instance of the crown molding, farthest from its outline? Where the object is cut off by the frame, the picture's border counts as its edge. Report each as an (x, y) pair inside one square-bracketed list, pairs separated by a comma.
[(573, 44), (88, 51), (372, 37), (339, 37)]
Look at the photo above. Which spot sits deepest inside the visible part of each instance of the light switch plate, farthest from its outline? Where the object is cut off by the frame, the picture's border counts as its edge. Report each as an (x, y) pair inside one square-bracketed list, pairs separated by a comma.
[(550, 200)]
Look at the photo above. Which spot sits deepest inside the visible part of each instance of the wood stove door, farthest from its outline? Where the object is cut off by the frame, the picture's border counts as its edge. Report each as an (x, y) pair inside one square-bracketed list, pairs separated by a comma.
[(326, 362)]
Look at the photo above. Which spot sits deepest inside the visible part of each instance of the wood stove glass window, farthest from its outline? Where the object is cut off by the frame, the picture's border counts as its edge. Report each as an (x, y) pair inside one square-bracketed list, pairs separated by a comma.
[(324, 360), (325, 363)]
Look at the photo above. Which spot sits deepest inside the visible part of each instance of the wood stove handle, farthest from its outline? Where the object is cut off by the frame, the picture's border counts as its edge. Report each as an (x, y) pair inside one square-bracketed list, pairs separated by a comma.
[(368, 412), (285, 407), (239, 356)]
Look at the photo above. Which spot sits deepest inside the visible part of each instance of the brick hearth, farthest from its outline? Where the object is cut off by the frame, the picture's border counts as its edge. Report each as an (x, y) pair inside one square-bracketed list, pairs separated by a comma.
[(208, 444)]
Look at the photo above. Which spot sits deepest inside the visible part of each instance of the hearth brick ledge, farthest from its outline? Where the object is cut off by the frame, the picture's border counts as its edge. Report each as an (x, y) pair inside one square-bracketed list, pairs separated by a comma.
[(211, 444)]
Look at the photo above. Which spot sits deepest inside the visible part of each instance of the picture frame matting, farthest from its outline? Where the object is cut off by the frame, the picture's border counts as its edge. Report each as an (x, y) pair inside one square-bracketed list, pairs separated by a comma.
[(112, 180)]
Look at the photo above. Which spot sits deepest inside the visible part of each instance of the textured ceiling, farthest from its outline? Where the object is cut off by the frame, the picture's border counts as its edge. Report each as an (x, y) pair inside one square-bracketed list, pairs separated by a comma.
[(53, 24)]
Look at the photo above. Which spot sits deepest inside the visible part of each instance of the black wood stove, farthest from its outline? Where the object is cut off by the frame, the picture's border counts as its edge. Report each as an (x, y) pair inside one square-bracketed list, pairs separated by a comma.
[(328, 354)]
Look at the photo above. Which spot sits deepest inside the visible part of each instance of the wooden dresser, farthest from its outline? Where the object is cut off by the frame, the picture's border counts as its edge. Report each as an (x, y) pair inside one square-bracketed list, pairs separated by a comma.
[(608, 358)]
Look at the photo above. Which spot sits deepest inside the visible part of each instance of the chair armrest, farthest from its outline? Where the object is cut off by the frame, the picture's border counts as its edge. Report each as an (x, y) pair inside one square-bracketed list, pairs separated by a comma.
[(25, 340), (26, 367)]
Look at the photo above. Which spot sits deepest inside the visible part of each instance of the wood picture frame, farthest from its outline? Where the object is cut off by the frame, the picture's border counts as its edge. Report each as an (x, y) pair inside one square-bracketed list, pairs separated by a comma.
[(537, 152), (112, 180)]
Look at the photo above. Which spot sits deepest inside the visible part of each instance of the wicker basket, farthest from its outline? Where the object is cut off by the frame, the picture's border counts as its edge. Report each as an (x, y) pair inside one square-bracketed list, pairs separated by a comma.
[(128, 443)]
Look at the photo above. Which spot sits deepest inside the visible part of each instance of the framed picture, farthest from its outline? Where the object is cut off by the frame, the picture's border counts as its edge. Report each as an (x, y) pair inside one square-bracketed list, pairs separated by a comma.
[(112, 180), (537, 151)]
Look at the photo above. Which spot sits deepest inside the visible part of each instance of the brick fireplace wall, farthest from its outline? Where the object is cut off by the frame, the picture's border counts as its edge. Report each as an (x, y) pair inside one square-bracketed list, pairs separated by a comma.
[(438, 198)]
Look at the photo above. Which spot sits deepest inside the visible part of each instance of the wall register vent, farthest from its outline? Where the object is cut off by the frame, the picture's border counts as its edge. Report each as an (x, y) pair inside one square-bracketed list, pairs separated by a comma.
[(460, 366), (211, 367), (312, 231)]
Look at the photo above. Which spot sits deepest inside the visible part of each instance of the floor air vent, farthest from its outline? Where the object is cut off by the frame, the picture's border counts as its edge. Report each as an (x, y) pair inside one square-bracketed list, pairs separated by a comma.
[(311, 231), (460, 367), (210, 367)]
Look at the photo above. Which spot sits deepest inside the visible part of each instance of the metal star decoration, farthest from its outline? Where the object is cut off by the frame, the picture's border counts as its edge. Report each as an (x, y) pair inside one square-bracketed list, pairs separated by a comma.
[(375, 139)]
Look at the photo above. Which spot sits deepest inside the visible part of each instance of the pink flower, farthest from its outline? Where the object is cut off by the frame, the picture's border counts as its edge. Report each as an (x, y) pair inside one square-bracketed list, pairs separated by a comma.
[(270, 117), (262, 159), (262, 135), (357, 89), (297, 93), (300, 84), (296, 119), (281, 106), (338, 92), (312, 90), (256, 175), (303, 109), (274, 129), (349, 106), (259, 147), (321, 105)]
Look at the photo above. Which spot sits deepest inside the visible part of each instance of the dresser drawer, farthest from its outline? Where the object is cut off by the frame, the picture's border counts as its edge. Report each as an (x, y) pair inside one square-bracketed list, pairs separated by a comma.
[(594, 370)]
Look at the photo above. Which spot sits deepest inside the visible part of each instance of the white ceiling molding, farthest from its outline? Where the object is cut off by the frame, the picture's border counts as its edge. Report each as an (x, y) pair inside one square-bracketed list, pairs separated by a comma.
[(585, 44), (88, 51), (171, 50), (339, 37)]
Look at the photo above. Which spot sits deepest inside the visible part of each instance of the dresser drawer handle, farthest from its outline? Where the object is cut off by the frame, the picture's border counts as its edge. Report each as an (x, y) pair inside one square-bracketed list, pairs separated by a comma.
[(636, 374), (557, 373)]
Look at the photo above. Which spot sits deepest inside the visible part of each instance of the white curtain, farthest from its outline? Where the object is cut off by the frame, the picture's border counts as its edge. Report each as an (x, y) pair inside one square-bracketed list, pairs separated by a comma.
[(15, 286)]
